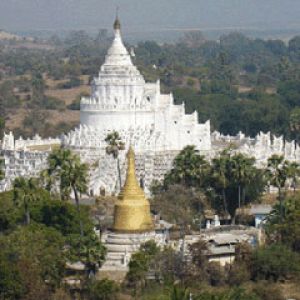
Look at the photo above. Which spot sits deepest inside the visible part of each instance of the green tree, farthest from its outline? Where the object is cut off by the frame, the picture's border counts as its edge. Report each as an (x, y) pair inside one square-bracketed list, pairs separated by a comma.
[(25, 194), (114, 146), (286, 229), (10, 214), (243, 171), (295, 123), (139, 265), (104, 289), (220, 174), (293, 172), (11, 284), (274, 262), (34, 252), (62, 216), (89, 250), (72, 175), (231, 294), (179, 293), (277, 175), (199, 267), (179, 204), (189, 168)]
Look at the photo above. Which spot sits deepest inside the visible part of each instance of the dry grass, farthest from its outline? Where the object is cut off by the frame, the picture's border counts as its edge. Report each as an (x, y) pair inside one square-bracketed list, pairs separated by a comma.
[(290, 290), (269, 198), (115, 275), (68, 95), (15, 118)]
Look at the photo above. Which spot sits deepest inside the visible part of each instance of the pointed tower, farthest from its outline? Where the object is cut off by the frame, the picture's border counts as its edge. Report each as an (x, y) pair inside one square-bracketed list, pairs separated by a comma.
[(117, 54), (132, 212)]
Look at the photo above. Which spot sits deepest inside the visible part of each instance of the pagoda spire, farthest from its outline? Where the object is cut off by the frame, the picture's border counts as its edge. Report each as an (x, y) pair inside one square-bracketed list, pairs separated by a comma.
[(117, 23), (131, 189), (132, 211)]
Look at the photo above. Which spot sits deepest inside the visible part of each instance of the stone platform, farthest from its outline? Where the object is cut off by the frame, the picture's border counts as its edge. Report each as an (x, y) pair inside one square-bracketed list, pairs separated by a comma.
[(120, 247)]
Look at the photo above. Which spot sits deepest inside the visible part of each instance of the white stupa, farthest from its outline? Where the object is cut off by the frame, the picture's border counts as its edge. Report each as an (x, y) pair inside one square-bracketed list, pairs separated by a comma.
[(121, 100)]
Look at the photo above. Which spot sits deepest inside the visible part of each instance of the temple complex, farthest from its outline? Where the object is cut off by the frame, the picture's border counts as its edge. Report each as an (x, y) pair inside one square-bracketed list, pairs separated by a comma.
[(145, 118)]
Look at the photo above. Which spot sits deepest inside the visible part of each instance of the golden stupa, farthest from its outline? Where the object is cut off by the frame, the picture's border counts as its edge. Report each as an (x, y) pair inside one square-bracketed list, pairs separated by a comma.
[(132, 212)]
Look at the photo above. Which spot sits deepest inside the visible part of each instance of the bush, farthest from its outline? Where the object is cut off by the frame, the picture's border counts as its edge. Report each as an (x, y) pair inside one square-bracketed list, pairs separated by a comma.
[(216, 274), (10, 215), (62, 216), (267, 291), (75, 105), (104, 289), (73, 82), (233, 294), (275, 262), (238, 274)]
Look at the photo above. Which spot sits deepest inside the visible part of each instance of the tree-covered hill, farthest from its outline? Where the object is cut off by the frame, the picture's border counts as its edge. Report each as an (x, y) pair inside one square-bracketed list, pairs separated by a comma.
[(237, 82)]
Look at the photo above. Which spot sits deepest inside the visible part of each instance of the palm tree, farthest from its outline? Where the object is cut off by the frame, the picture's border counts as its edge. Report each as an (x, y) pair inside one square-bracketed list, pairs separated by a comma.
[(71, 175), (88, 250), (220, 174), (179, 293), (242, 171), (277, 174), (58, 160), (24, 194), (189, 168), (293, 172), (114, 146)]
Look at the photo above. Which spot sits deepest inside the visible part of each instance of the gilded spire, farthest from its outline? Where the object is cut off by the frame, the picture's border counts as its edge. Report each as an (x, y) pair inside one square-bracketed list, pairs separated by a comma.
[(131, 189), (132, 211)]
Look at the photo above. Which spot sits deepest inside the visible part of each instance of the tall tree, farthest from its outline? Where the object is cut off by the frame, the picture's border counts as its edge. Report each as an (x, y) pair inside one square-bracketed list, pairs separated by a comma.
[(242, 171), (277, 175), (88, 250), (71, 174), (293, 172), (189, 168), (114, 146), (220, 173), (24, 194)]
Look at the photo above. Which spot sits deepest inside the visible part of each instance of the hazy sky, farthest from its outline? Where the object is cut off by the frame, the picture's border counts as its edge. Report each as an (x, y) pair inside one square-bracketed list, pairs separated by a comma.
[(142, 15)]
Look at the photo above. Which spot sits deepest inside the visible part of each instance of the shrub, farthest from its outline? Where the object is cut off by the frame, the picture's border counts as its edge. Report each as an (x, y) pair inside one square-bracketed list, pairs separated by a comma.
[(274, 262), (104, 289)]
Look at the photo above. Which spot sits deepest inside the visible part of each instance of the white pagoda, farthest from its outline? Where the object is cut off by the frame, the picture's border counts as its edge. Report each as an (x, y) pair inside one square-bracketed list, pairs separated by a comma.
[(122, 101)]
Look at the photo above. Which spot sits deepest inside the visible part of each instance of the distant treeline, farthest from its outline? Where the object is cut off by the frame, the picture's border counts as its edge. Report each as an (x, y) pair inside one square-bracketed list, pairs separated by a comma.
[(238, 82)]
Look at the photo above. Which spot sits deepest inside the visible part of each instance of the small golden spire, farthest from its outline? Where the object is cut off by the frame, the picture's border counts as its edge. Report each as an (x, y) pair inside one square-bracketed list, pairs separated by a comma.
[(131, 189), (132, 211)]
